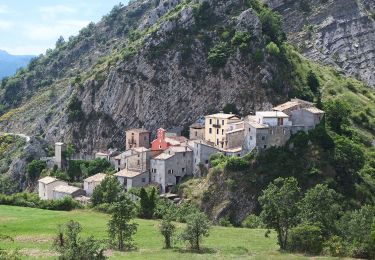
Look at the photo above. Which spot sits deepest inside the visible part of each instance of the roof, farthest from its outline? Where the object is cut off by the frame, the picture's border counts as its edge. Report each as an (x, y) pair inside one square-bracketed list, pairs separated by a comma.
[(140, 149), (235, 130), (59, 143), (179, 138), (47, 180), (271, 114), (127, 173), (285, 106), (197, 126), (97, 177), (233, 150), (179, 149), (138, 130), (101, 154), (223, 116), (163, 156), (254, 123), (66, 189), (314, 110)]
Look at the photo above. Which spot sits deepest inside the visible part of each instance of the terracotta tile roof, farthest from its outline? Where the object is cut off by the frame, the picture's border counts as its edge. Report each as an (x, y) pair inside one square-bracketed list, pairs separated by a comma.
[(47, 180), (163, 156), (138, 130), (128, 173), (179, 149), (252, 120), (271, 114), (314, 110), (97, 177), (66, 189), (286, 105), (223, 116), (140, 149)]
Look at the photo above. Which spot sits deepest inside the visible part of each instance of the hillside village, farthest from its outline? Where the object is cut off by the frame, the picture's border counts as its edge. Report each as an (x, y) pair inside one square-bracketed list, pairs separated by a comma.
[(170, 157)]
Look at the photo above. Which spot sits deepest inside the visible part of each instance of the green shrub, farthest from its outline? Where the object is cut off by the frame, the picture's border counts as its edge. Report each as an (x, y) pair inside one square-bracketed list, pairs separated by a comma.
[(219, 54), (273, 49), (306, 238), (236, 164), (335, 246), (253, 221), (241, 40)]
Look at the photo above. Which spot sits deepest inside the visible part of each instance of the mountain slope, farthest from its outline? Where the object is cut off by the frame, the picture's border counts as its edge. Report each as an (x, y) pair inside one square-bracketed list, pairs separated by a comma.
[(336, 32), (159, 64), (10, 63)]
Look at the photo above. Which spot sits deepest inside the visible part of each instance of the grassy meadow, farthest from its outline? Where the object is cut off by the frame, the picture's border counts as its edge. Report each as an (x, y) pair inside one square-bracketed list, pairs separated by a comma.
[(33, 231)]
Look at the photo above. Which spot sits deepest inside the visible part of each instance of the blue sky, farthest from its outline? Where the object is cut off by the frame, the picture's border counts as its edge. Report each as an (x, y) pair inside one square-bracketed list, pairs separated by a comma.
[(32, 26)]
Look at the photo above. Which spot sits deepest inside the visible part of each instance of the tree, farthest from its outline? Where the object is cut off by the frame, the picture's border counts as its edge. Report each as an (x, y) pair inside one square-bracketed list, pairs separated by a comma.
[(167, 229), (107, 191), (279, 207), (120, 229), (60, 42), (337, 115), (34, 169), (197, 227), (273, 49), (355, 228), (320, 207), (306, 238), (147, 203), (272, 25), (230, 108), (312, 81), (71, 247), (218, 55)]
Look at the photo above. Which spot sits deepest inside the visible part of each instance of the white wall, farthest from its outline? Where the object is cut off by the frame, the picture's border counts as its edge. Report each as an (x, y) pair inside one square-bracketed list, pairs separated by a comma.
[(46, 190)]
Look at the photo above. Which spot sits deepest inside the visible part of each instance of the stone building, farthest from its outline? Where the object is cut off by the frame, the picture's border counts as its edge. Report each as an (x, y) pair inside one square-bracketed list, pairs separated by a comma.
[(90, 183), (196, 130), (171, 166), (162, 142), (137, 138), (202, 153), (217, 126), (60, 149), (62, 191), (135, 159), (46, 186), (133, 179)]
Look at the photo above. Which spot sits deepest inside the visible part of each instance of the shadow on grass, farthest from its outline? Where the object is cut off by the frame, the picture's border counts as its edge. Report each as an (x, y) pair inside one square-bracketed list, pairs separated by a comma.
[(202, 251)]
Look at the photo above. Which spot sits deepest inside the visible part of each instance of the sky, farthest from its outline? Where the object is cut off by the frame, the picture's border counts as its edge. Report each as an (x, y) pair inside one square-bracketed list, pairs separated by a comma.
[(33, 26)]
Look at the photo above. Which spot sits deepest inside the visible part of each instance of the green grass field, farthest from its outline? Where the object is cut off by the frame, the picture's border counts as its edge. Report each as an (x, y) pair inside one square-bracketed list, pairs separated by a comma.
[(33, 231)]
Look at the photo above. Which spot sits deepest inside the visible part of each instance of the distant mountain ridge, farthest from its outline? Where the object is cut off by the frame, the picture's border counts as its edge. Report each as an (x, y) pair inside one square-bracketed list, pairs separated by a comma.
[(10, 63)]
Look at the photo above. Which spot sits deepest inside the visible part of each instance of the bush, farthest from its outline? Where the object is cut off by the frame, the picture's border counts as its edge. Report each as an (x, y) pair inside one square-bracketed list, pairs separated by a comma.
[(241, 40), (273, 49), (306, 239), (218, 55), (236, 164), (253, 221), (335, 246)]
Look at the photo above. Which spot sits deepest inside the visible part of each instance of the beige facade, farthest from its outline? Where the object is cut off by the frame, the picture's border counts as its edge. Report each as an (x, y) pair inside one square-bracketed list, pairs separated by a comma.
[(217, 126), (137, 138), (196, 132), (135, 159)]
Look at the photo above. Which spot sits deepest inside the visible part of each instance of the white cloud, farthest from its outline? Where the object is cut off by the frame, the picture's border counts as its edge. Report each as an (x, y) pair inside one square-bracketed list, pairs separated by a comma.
[(4, 9), (65, 28), (5, 25), (51, 12)]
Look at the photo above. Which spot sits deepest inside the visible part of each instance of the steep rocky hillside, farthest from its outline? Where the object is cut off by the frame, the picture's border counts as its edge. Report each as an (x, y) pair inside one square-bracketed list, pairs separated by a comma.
[(336, 32), (157, 63)]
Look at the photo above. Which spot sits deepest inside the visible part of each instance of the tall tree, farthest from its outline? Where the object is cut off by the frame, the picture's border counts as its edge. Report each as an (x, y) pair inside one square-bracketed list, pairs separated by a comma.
[(120, 228), (312, 81), (320, 207), (197, 227), (337, 115), (167, 229), (107, 191), (279, 207), (147, 203)]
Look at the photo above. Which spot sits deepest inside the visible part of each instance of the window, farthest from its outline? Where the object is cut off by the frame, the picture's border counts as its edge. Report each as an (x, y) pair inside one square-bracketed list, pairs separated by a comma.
[(217, 141), (138, 163), (263, 138), (217, 131), (143, 179), (170, 171), (265, 146), (210, 121), (159, 146), (222, 122), (183, 154), (196, 133), (251, 137), (183, 170), (145, 138), (206, 161), (210, 130), (249, 129), (222, 131)]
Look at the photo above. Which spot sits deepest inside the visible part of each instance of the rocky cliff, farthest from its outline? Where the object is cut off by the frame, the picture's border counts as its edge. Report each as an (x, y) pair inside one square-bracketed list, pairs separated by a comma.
[(335, 32)]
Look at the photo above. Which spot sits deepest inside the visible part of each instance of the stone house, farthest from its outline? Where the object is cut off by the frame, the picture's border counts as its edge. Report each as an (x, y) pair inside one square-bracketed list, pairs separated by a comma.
[(135, 159), (46, 186), (171, 166), (61, 191), (217, 126), (196, 130), (90, 183), (133, 179), (137, 138), (202, 152)]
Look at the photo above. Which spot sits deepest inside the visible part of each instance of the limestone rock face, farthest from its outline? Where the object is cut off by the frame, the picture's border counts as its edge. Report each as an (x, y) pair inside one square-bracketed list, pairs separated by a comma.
[(337, 32)]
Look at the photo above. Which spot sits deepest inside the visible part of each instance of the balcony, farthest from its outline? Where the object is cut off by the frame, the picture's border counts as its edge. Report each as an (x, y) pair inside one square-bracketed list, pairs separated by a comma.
[(216, 126)]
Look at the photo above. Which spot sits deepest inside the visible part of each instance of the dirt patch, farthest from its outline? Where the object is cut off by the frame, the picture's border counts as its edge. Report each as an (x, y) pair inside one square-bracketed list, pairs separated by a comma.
[(37, 252), (34, 239)]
